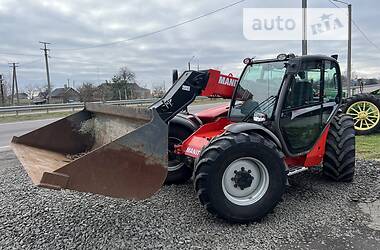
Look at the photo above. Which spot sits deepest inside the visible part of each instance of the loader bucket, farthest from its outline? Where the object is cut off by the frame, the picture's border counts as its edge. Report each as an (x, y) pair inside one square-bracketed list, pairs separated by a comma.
[(115, 151)]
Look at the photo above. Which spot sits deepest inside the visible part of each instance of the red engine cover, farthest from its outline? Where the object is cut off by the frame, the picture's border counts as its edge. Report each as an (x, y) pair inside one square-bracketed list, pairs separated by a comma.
[(211, 114)]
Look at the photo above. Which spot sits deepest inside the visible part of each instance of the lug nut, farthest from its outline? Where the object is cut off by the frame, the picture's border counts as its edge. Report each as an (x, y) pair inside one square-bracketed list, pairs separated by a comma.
[(249, 171), (242, 169)]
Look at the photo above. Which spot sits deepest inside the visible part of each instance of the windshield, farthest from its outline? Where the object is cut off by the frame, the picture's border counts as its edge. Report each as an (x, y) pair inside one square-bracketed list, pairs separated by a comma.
[(257, 89)]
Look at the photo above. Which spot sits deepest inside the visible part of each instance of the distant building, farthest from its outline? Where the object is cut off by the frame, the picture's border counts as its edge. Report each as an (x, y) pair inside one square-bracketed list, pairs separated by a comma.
[(40, 98), (21, 96), (138, 92), (64, 95), (108, 91)]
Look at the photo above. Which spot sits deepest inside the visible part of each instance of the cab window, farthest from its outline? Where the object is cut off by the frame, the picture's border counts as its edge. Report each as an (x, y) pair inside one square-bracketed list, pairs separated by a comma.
[(305, 86)]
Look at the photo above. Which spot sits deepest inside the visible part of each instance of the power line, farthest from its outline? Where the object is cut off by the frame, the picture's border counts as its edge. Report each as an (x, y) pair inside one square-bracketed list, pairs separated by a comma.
[(31, 62), (357, 27), (157, 31), (17, 54)]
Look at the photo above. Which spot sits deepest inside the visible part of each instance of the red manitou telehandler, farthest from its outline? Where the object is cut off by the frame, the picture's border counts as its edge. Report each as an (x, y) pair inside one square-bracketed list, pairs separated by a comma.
[(284, 117)]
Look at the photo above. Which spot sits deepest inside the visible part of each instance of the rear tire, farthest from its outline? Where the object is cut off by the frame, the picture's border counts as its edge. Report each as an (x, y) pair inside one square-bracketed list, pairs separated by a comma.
[(240, 177), (365, 110), (178, 169), (339, 159)]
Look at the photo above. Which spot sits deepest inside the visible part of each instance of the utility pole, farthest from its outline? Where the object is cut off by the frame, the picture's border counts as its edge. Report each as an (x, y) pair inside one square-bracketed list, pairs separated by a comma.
[(14, 83), (45, 49), (2, 90), (188, 64), (304, 27), (349, 50)]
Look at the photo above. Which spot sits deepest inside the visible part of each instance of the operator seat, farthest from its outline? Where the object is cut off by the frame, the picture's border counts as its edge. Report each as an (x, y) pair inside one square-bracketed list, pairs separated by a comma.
[(301, 94)]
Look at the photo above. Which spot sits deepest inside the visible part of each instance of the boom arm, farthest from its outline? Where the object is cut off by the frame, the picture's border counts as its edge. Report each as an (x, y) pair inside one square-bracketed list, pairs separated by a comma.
[(191, 84)]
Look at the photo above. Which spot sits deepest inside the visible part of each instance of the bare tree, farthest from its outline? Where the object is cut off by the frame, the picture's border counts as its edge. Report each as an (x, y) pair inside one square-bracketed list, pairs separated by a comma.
[(87, 92), (104, 92), (42, 91), (355, 75), (126, 74), (32, 91), (122, 83), (8, 87), (158, 91)]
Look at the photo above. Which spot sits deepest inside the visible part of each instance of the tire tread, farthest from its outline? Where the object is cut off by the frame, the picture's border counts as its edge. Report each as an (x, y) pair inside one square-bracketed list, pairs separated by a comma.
[(339, 159)]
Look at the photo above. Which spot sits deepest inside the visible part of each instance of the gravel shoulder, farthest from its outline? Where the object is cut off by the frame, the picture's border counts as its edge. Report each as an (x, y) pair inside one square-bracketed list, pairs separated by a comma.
[(315, 214)]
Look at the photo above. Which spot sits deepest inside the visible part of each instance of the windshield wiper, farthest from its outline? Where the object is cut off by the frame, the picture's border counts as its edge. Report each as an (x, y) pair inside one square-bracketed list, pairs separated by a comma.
[(264, 105)]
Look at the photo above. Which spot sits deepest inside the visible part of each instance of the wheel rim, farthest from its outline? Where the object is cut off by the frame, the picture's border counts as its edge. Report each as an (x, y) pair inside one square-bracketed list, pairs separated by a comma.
[(366, 115), (175, 161), (241, 189)]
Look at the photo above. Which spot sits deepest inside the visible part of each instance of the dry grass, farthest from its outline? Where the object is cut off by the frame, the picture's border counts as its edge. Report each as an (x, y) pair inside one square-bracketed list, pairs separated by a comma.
[(34, 116), (368, 147)]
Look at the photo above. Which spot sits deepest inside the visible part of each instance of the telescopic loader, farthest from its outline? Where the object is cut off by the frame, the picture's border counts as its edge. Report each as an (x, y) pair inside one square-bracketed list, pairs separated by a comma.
[(284, 117)]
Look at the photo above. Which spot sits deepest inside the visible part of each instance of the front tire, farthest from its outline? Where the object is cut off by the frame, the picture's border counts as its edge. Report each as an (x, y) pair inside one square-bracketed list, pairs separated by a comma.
[(178, 169), (339, 159), (240, 177)]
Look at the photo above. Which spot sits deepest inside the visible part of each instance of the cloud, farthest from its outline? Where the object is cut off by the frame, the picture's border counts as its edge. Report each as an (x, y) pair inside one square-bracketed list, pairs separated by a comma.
[(217, 41)]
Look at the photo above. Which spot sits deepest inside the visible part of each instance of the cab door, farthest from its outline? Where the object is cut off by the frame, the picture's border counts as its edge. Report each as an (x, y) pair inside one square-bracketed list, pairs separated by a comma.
[(306, 109)]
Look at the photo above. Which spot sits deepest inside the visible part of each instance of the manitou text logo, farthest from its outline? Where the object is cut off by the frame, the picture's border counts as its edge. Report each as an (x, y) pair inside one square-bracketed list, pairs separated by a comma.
[(193, 151), (224, 80), (287, 24)]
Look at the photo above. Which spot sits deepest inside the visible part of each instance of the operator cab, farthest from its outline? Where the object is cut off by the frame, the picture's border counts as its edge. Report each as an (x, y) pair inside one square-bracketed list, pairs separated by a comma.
[(293, 96)]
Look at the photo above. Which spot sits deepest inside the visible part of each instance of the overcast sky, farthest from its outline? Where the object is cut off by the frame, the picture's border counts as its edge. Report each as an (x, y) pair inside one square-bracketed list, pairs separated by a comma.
[(217, 40)]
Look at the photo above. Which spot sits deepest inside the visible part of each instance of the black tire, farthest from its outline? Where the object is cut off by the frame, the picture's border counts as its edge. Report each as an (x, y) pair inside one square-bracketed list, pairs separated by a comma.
[(217, 157), (368, 98), (182, 172), (339, 159)]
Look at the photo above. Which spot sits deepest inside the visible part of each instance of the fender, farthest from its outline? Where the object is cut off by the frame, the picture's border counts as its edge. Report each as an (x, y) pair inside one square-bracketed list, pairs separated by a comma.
[(245, 127), (188, 121)]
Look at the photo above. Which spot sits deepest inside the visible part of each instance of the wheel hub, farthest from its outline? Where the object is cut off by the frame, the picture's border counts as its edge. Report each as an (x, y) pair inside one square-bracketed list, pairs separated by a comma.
[(175, 161), (363, 115), (242, 179), (245, 181)]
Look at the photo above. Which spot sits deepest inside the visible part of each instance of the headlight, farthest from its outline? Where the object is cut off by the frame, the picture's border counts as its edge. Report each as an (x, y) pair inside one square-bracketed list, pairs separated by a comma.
[(247, 60), (281, 57)]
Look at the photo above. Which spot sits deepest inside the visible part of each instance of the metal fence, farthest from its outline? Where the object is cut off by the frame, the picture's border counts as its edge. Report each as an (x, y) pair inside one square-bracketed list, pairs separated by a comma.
[(364, 89), (46, 108)]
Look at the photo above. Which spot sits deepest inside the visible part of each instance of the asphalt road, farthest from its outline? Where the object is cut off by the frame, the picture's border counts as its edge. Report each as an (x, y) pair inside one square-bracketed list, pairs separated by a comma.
[(8, 130)]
